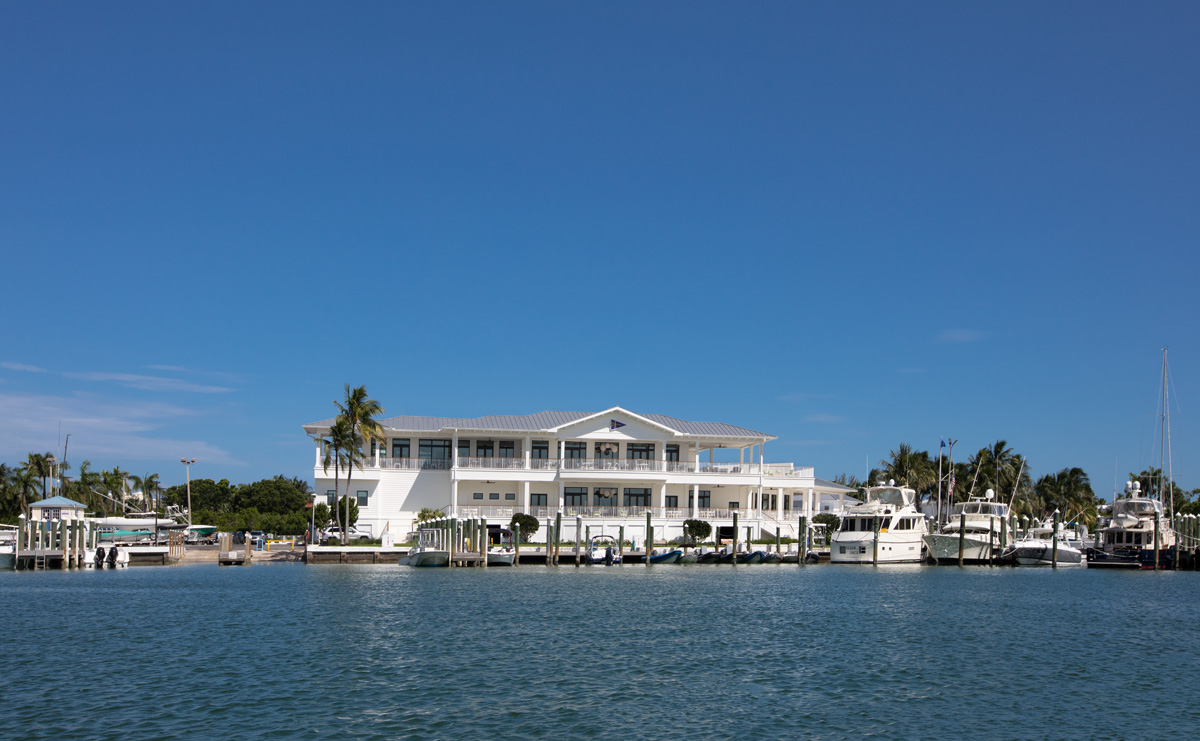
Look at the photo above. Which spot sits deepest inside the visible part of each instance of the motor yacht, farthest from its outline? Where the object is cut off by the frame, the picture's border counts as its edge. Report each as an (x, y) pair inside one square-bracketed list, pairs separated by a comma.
[(893, 510)]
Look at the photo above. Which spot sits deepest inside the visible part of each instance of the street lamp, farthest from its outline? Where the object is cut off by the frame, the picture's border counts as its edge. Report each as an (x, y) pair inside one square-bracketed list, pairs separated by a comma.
[(188, 464), (50, 461)]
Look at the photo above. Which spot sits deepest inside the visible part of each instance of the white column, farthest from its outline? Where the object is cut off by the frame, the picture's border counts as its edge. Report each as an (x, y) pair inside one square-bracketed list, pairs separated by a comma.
[(453, 497), (559, 504), (662, 495), (779, 505), (528, 457), (562, 451), (525, 498), (696, 455), (454, 450), (761, 459), (320, 449), (695, 500)]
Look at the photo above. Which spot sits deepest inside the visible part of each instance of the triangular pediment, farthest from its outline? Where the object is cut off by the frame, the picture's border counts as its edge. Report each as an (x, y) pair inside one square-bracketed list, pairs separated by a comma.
[(615, 424)]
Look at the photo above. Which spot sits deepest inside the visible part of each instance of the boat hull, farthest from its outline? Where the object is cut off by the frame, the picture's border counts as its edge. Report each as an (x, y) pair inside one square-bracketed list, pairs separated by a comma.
[(862, 550), (500, 558), (429, 558), (1129, 558), (668, 557), (1042, 554), (944, 548)]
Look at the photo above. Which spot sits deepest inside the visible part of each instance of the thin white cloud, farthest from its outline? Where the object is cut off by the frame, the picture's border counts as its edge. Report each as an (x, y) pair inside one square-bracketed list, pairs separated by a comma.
[(99, 428), (959, 335), (22, 367), (822, 418), (149, 383), (175, 368)]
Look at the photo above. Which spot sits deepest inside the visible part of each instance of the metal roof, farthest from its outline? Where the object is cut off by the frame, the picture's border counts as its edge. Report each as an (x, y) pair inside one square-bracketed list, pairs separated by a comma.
[(58, 501), (545, 421)]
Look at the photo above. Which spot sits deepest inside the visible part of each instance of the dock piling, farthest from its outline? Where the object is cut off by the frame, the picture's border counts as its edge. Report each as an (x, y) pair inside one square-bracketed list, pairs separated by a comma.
[(803, 540), (557, 534), (962, 536), (1054, 543), (578, 537), (875, 542), (735, 539), (649, 536)]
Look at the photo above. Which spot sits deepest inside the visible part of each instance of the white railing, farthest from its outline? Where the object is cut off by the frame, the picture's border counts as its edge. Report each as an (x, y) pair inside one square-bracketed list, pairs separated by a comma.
[(635, 512), (610, 464), (543, 464), (489, 511), (496, 463)]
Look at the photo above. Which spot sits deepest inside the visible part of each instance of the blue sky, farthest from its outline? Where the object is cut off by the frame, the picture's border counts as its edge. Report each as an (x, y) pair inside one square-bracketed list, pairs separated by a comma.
[(849, 225)]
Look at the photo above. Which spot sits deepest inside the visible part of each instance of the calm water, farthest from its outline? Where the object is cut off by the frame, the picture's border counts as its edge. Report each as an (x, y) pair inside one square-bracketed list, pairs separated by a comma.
[(276, 650)]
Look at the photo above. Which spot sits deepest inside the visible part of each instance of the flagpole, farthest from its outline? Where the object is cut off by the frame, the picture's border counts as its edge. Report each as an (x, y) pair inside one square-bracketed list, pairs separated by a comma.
[(941, 444)]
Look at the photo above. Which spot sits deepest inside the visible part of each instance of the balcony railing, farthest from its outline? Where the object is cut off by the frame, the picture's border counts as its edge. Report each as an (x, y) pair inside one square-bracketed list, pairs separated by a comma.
[(588, 511), (584, 464)]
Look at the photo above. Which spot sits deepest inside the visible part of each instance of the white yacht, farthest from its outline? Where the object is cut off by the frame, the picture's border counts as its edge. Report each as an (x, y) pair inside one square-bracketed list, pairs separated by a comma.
[(1036, 547), (901, 528), (1128, 539), (8, 546), (428, 551), (978, 524)]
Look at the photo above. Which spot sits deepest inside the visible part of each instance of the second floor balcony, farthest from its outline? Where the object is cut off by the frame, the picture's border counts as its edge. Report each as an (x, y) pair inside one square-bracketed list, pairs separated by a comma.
[(584, 465)]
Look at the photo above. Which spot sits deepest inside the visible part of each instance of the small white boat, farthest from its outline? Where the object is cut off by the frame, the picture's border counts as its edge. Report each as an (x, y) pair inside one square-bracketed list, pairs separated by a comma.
[(428, 551), (501, 556), (1036, 548), (106, 557), (603, 550)]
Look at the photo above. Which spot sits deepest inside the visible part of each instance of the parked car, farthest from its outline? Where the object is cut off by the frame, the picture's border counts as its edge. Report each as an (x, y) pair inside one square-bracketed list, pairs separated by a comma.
[(353, 534)]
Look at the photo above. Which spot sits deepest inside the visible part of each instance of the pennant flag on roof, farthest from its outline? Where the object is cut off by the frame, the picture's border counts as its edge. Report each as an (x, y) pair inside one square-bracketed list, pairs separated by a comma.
[(614, 424)]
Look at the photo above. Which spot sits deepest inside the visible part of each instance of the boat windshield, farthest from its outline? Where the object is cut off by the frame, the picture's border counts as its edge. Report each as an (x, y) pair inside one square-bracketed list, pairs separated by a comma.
[(890, 495), (980, 508), (1137, 506)]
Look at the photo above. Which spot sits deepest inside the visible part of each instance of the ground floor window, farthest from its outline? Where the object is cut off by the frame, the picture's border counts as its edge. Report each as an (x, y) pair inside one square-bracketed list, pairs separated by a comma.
[(606, 496), (494, 495), (637, 497), (362, 499), (787, 502), (330, 497), (672, 502), (509, 495), (477, 495)]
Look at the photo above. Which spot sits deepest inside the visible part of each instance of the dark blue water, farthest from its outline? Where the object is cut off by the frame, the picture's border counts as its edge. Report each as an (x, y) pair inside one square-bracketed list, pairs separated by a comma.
[(384, 652)]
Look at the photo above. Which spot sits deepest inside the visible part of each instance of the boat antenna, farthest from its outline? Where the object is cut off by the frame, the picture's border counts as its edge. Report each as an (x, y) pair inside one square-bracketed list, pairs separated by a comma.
[(1017, 483), (976, 476)]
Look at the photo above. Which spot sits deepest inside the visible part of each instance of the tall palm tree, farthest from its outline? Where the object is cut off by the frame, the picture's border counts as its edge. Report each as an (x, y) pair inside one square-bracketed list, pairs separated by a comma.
[(25, 482), (360, 412), (146, 485), (336, 453), (909, 467), (39, 463), (8, 492)]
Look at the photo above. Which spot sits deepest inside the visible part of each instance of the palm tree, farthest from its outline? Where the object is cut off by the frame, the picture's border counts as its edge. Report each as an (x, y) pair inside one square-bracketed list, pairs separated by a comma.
[(336, 452), (39, 463), (360, 412), (146, 484), (909, 467), (8, 492), (25, 482)]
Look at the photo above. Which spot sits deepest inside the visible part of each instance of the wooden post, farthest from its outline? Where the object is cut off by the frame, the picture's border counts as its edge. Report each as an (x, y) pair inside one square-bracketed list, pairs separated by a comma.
[(1156, 518), (557, 534), (452, 528), (621, 542), (1003, 535), (735, 538), (517, 544), (1054, 542), (962, 536), (22, 537), (875, 542), (578, 537), (803, 539), (991, 541), (777, 541), (649, 536), (483, 542)]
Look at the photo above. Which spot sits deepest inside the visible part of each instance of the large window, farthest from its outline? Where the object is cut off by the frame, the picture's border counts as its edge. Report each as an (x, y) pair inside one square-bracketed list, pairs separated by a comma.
[(672, 451), (485, 448), (605, 496), (575, 496), (575, 450), (672, 502), (399, 448), (637, 497), (540, 449), (705, 499), (607, 450), (508, 449), (640, 451), (434, 453), (464, 448), (537, 500)]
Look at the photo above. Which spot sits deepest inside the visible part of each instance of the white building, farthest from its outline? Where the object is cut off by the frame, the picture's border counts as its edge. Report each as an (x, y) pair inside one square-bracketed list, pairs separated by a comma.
[(607, 467)]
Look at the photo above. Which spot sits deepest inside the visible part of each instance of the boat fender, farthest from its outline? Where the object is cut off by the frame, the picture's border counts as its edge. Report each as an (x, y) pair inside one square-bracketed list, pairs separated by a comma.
[(99, 559), (608, 556), (812, 558), (112, 556)]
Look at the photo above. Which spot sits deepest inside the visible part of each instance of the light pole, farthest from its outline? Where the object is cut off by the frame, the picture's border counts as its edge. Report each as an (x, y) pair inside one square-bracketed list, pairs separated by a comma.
[(50, 461), (188, 465)]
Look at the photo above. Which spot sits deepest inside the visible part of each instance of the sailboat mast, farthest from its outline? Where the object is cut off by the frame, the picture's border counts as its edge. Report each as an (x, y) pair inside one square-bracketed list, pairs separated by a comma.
[(1164, 465)]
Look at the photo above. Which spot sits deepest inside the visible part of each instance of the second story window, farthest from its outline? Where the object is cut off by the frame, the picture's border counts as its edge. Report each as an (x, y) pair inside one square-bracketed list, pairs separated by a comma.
[(485, 449), (640, 451), (672, 452), (399, 448), (575, 496), (540, 449), (435, 450), (508, 449), (575, 450), (705, 499), (464, 448)]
